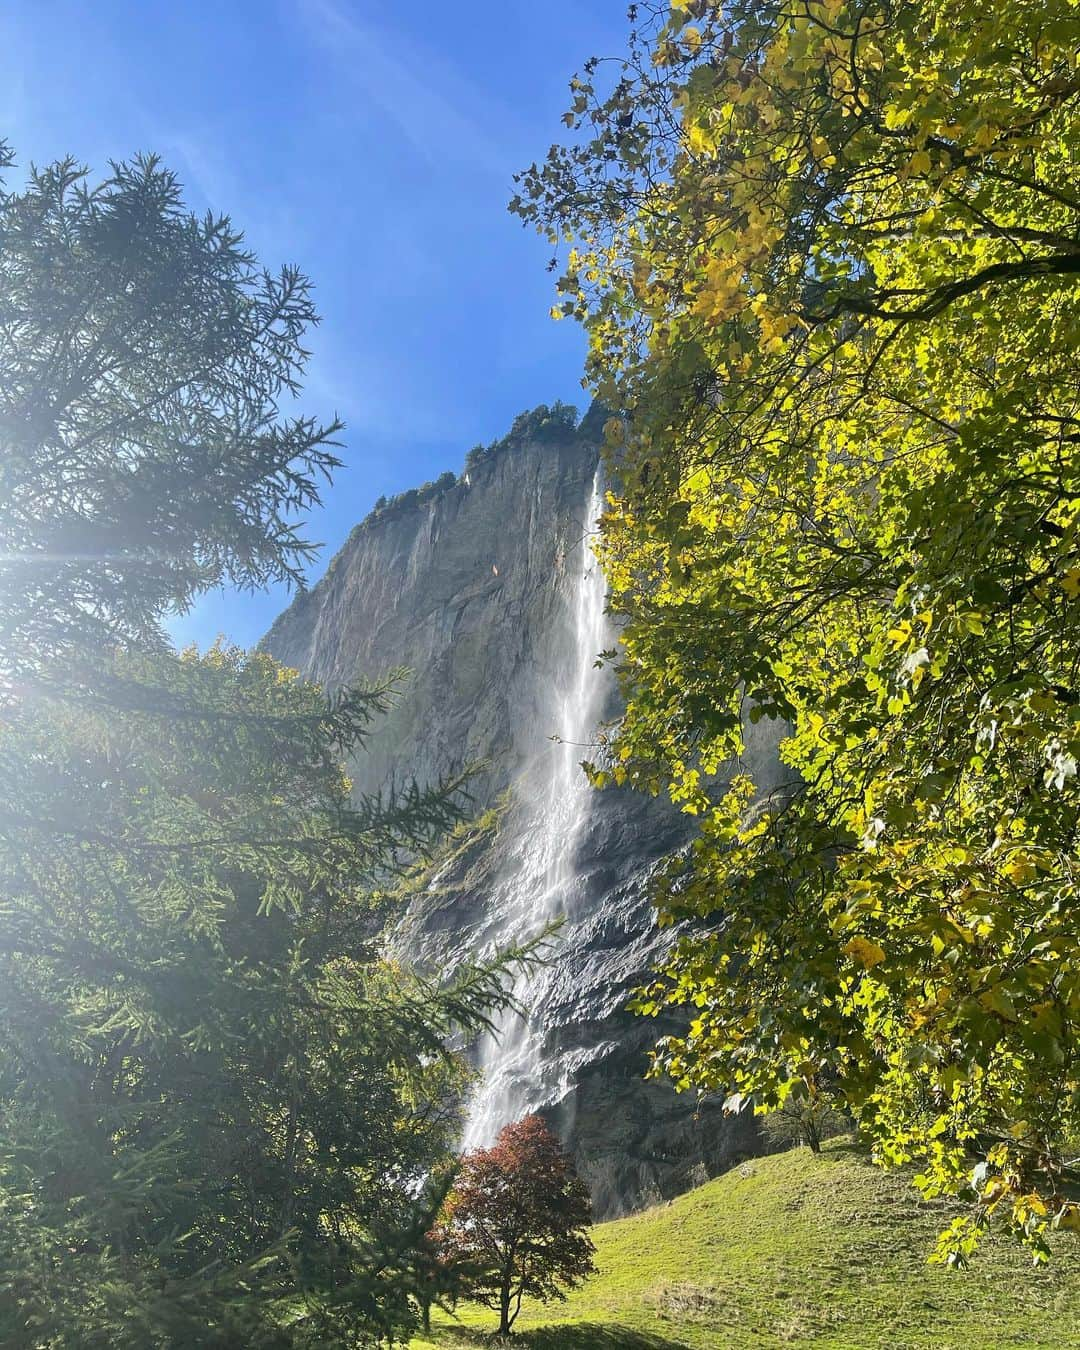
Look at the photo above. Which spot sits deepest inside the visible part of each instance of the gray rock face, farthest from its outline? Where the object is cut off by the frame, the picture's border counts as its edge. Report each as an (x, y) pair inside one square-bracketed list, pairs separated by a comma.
[(468, 591), (474, 591)]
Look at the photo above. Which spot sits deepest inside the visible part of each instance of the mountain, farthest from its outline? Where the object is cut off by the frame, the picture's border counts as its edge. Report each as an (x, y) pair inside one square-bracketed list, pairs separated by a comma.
[(486, 588)]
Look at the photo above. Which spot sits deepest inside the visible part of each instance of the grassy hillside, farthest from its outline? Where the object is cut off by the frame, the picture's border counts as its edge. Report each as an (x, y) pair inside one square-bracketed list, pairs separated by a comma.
[(796, 1250)]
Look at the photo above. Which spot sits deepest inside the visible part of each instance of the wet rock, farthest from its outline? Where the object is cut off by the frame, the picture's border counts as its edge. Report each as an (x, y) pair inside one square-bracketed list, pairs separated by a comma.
[(472, 591)]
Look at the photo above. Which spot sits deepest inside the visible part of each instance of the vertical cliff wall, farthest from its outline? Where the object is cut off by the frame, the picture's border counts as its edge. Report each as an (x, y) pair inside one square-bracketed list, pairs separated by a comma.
[(487, 591), (469, 591)]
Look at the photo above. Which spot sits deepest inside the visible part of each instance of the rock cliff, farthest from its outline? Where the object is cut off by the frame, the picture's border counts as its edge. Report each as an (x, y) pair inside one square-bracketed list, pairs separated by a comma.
[(487, 592)]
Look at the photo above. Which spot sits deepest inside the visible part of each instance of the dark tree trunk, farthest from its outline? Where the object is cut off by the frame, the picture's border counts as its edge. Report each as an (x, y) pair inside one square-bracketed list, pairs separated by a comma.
[(504, 1308)]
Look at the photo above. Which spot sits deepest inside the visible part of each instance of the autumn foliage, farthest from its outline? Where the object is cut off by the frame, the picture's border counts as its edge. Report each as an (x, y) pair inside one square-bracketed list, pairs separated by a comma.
[(514, 1222), (826, 255)]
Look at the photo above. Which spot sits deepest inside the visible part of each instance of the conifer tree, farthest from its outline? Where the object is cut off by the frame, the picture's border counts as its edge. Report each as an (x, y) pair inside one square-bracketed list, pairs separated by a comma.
[(217, 1098)]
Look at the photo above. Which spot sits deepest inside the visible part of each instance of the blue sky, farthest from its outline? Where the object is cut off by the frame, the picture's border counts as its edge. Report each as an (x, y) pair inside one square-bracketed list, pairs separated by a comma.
[(373, 145)]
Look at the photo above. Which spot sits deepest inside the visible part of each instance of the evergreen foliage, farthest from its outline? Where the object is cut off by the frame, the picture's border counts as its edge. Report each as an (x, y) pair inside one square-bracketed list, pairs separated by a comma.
[(217, 1100), (144, 355)]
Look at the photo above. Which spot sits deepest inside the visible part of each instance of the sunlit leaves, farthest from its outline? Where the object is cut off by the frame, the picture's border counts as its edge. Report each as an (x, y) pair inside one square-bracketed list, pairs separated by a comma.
[(833, 277)]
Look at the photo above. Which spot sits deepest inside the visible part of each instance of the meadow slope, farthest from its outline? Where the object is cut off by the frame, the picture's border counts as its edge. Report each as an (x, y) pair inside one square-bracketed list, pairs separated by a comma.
[(796, 1250)]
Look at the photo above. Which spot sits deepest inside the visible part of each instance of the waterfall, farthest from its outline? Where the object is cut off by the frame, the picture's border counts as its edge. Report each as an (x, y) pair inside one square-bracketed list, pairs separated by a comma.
[(541, 888)]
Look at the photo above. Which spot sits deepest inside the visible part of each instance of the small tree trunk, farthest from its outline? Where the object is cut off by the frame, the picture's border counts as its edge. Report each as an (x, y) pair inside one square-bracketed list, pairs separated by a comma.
[(504, 1308), (811, 1134), (425, 1316)]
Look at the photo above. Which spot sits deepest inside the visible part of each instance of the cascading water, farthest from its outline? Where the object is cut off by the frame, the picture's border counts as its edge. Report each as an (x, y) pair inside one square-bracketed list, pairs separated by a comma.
[(541, 887)]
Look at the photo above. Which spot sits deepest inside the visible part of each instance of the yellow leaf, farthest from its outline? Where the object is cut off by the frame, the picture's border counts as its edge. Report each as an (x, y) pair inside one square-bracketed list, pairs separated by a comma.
[(867, 953), (1070, 582), (997, 1001), (1020, 869), (614, 431), (994, 1189)]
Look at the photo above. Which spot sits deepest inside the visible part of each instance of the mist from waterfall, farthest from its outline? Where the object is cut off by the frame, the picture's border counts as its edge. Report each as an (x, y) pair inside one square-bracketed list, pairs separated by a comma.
[(541, 888)]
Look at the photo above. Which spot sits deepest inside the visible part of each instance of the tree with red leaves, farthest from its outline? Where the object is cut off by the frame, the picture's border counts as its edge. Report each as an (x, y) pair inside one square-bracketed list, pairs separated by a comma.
[(515, 1221)]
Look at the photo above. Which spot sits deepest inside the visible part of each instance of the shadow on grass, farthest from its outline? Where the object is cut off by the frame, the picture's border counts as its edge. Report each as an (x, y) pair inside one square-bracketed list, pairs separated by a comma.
[(842, 1148), (593, 1336), (570, 1336)]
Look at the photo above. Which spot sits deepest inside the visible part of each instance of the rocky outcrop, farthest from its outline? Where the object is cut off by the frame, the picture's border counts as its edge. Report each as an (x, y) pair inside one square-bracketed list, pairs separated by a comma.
[(468, 591), (473, 590)]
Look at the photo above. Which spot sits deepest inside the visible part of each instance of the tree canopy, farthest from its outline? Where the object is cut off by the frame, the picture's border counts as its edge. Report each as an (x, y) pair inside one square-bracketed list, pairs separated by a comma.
[(146, 365), (514, 1222), (218, 1099), (828, 257)]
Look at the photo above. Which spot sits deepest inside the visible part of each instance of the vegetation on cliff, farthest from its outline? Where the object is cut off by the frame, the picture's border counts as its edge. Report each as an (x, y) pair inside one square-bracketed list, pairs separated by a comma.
[(544, 424), (540, 424)]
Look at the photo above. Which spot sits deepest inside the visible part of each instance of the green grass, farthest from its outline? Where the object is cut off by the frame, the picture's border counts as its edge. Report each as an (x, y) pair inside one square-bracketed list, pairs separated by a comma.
[(796, 1250)]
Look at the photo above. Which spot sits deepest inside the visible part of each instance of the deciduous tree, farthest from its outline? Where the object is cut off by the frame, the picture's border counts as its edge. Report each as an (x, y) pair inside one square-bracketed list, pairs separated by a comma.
[(827, 255), (515, 1221)]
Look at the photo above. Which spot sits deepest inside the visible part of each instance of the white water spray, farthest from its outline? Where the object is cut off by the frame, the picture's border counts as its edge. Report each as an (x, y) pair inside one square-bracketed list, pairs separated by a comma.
[(511, 1059)]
